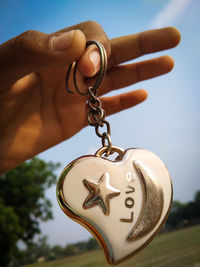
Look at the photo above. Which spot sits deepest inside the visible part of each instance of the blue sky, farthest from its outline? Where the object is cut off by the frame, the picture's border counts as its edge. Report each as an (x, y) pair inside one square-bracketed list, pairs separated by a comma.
[(168, 123)]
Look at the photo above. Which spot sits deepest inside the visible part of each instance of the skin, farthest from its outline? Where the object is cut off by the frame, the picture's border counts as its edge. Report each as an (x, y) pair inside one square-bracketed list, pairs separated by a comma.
[(37, 113)]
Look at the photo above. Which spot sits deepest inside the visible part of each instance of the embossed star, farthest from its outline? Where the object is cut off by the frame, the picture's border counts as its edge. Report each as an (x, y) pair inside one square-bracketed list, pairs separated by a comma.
[(100, 193)]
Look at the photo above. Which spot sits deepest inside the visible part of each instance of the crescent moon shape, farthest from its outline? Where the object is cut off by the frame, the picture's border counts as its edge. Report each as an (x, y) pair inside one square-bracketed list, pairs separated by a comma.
[(152, 205)]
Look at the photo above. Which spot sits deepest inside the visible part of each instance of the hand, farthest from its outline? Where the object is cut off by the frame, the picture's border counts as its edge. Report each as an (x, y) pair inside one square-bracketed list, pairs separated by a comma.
[(37, 113)]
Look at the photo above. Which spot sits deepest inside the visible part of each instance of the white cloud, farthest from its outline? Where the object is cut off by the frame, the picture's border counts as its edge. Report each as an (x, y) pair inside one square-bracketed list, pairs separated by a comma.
[(170, 12)]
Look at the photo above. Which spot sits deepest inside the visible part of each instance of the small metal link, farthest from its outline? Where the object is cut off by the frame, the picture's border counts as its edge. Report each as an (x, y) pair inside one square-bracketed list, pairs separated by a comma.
[(115, 149), (96, 114), (92, 93), (94, 103), (108, 131), (105, 137)]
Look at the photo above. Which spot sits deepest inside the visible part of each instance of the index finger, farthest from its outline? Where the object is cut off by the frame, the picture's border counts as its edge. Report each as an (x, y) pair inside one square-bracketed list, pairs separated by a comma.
[(132, 46)]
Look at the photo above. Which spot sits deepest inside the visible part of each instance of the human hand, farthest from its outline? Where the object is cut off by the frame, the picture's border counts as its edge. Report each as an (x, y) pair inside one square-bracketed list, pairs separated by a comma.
[(37, 113)]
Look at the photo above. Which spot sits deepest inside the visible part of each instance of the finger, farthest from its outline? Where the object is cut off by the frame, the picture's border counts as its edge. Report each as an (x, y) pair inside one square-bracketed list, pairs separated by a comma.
[(125, 75), (129, 47), (33, 51), (90, 61), (120, 102)]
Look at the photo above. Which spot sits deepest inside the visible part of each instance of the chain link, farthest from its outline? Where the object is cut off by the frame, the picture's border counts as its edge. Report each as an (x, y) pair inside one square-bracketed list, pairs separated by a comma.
[(96, 117)]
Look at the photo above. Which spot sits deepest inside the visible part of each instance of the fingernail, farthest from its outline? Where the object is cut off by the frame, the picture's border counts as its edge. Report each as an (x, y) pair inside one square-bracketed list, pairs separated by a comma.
[(62, 41), (94, 57)]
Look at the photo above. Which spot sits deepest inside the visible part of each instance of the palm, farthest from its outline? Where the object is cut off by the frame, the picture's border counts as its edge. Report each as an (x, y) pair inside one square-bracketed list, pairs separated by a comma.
[(63, 111), (45, 111)]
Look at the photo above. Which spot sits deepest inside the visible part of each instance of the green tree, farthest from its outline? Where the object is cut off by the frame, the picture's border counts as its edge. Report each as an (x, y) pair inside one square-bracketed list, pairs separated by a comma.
[(81, 246), (192, 212), (10, 230), (70, 250), (176, 217), (56, 252), (197, 197), (23, 204), (184, 214), (33, 252), (92, 244)]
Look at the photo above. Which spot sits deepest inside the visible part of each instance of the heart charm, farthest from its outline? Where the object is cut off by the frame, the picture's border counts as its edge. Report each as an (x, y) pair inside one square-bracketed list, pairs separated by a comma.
[(123, 203)]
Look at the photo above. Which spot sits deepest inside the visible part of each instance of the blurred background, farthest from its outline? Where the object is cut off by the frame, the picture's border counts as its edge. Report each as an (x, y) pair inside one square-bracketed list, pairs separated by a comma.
[(167, 123)]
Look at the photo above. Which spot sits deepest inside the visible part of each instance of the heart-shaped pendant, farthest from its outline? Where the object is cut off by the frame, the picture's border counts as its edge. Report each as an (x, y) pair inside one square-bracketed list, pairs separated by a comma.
[(123, 203)]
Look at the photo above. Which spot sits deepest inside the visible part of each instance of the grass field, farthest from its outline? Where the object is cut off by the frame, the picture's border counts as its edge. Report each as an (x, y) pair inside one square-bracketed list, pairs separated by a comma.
[(175, 249)]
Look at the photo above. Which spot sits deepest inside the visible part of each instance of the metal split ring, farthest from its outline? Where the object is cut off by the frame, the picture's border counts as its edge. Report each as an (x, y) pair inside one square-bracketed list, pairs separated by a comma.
[(100, 75), (116, 149)]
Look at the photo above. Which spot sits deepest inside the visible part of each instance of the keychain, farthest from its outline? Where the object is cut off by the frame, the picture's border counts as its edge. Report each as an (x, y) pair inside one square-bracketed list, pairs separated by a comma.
[(123, 202)]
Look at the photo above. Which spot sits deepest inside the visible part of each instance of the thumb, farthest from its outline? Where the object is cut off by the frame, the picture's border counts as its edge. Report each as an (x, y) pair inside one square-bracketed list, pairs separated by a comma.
[(33, 50)]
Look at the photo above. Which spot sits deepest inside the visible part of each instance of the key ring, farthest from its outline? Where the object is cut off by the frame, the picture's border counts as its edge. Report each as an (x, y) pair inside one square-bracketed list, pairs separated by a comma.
[(96, 114), (101, 73)]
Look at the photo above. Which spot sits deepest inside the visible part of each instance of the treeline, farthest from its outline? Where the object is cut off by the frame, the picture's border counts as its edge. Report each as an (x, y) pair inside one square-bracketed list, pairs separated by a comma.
[(41, 251), (184, 214)]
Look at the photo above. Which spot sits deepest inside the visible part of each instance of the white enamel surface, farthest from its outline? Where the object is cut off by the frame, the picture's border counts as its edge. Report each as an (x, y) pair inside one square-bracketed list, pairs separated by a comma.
[(122, 174)]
